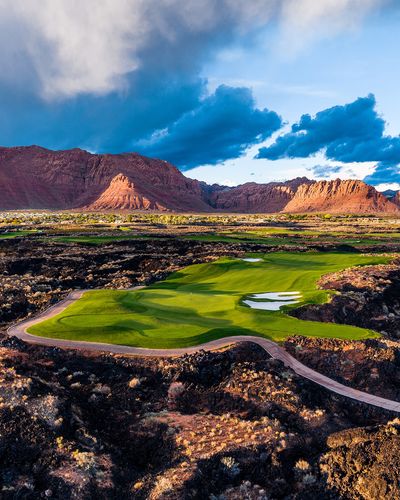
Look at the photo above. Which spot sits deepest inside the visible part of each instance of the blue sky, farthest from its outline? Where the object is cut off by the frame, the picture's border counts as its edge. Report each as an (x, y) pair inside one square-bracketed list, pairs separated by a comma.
[(229, 91)]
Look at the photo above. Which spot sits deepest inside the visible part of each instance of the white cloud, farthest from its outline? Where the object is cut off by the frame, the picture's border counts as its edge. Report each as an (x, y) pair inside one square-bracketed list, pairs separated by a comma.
[(77, 46), (263, 171), (306, 20), (72, 46), (228, 182), (61, 48), (394, 186)]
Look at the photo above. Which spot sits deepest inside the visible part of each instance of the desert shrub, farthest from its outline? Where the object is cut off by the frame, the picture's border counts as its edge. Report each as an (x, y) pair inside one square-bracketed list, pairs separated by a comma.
[(302, 465), (230, 466), (176, 393), (183, 399), (134, 383)]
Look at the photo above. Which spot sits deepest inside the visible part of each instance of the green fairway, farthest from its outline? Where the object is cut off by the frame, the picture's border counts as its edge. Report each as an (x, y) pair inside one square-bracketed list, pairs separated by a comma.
[(98, 240), (242, 238), (205, 301), (265, 236), (16, 234), (279, 238)]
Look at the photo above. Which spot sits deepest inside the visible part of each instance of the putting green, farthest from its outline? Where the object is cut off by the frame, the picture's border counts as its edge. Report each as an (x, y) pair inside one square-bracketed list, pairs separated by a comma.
[(204, 302)]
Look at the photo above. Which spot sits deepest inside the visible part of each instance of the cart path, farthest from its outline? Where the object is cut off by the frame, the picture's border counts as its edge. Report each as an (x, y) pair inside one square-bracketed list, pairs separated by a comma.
[(276, 351)]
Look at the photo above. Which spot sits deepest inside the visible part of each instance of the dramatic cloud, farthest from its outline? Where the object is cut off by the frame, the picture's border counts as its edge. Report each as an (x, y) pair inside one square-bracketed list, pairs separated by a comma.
[(75, 47), (350, 133), (107, 75), (72, 46), (385, 173), (221, 127)]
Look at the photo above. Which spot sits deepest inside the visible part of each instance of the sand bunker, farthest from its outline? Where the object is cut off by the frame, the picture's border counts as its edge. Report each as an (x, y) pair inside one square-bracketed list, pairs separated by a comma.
[(251, 259), (272, 301)]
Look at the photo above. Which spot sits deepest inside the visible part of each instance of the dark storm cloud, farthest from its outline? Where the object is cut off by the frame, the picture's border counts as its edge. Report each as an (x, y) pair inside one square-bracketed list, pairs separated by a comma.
[(109, 123), (107, 75), (350, 133), (115, 74), (222, 126)]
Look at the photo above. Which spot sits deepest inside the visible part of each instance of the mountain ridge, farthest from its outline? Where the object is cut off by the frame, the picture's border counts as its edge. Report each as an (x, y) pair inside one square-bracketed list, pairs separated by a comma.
[(32, 177)]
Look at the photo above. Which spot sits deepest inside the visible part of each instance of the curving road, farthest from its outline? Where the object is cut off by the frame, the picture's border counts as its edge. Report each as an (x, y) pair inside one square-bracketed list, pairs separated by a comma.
[(20, 330)]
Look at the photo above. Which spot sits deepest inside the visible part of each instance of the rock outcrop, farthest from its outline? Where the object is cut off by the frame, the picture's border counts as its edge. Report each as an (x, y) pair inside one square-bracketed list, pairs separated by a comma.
[(396, 199), (122, 193), (351, 196), (36, 178), (252, 197)]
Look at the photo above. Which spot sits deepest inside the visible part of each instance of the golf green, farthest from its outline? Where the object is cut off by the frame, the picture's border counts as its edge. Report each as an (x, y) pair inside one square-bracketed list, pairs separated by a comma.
[(206, 301)]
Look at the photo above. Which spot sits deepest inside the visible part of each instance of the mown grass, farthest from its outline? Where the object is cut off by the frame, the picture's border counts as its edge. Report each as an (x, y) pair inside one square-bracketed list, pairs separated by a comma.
[(98, 240), (204, 302), (16, 234), (265, 236), (296, 237), (243, 238)]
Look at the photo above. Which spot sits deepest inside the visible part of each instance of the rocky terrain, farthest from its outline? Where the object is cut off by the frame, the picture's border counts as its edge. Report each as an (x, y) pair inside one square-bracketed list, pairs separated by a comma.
[(35, 276), (371, 365), (36, 178), (212, 425), (122, 193), (228, 425), (369, 298)]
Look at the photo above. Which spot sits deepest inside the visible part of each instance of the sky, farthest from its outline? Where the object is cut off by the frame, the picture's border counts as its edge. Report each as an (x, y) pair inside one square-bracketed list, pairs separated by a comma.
[(230, 91)]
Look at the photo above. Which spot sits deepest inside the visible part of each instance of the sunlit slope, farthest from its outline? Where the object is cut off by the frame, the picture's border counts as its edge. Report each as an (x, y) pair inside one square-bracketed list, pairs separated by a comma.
[(204, 302)]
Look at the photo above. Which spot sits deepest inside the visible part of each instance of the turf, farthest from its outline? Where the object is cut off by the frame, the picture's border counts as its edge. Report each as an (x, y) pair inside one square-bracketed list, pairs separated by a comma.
[(279, 238), (15, 234), (204, 302), (272, 237), (242, 238), (98, 240)]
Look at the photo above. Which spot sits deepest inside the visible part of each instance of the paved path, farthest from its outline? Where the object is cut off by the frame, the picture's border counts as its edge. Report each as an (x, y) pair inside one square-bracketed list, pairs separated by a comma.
[(276, 351)]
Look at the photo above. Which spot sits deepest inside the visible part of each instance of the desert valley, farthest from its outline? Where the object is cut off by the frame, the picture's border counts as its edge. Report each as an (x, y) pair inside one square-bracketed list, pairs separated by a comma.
[(131, 352), (199, 250)]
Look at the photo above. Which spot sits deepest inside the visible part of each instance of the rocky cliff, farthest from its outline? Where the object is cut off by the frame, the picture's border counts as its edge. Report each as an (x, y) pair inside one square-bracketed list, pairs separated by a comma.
[(36, 178), (252, 197), (396, 199), (350, 196)]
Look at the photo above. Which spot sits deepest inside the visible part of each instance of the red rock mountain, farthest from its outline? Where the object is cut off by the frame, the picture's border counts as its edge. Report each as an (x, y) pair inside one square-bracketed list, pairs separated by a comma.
[(122, 193), (252, 197), (36, 178), (339, 196), (396, 199)]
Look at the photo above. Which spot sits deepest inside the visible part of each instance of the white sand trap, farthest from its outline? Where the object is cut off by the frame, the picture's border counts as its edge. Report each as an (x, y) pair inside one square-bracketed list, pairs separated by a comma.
[(273, 301), (251, 259)]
